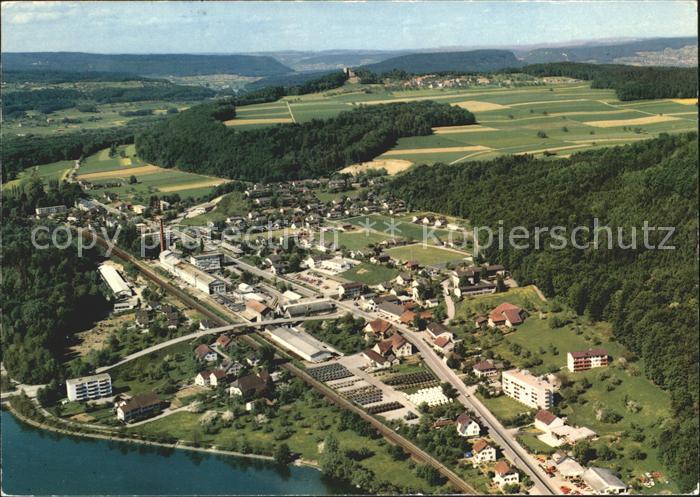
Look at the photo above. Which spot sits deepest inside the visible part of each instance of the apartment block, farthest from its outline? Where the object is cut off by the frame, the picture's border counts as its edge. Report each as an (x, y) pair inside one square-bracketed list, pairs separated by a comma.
[(89, 387), (586, 359), (528, 389)]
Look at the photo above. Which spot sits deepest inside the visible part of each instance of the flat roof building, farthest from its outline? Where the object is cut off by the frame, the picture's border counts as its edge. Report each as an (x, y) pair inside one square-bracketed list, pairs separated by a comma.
[(301, 343), (190, 274), (89, 387), (528, 389)]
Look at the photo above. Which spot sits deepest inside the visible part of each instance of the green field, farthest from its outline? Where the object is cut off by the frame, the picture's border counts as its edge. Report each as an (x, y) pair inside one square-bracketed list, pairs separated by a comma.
[(470, 307), (369, 274), (150, 181), (356, 240), (511, 119), (426, 255), (621, 389), (399, 227), (302, 425), (45, 172), (232, 204)]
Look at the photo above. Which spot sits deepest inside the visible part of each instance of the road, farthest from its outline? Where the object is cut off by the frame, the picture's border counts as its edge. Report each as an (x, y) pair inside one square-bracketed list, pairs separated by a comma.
[(306, 292), (210, 331), (449, 303), (511, 448)]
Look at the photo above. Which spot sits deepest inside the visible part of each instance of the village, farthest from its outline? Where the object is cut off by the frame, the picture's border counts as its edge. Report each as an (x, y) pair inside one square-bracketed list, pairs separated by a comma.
[(378, 327)]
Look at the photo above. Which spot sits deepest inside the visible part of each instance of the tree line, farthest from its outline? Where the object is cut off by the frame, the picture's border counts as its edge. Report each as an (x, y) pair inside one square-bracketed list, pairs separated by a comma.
[(629, 82), (649, 296), (16, 103), (196, 140)]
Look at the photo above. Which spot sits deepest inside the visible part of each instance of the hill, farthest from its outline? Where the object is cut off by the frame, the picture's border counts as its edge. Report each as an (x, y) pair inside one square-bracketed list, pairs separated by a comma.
[(197, 141), (649, 295), (472, 61), (608, 53), (145, 64)]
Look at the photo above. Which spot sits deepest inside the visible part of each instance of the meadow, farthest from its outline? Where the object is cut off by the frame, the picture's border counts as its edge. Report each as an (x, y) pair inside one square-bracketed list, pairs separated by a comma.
[(555, 120), (101, 169), (47, 172), (426, 255), (369, 274)]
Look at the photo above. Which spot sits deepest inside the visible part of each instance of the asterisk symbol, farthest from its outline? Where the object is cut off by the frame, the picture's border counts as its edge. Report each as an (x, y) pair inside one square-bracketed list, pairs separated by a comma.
[(392, 227), (367, 225)]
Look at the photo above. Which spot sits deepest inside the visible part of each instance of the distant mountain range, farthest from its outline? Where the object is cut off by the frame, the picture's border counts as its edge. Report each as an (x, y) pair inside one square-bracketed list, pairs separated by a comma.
[(147, 64), (605, 54), (294, 67), (472, 61)]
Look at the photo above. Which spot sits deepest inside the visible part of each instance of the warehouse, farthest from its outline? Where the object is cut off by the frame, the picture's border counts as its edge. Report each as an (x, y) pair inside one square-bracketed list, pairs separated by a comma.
[(301, 344), (308, 308), (114, 280)]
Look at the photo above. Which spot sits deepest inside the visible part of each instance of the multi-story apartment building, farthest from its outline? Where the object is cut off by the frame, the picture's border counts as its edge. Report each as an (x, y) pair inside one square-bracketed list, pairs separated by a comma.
[(586, 359), (89, 387), (528, 389)]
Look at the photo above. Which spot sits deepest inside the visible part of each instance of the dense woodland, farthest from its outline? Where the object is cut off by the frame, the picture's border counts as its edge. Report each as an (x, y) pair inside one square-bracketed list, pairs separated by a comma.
[(629, 82), (423, 63), (47, 295), (196, 140), (47, 100), (21, 152), (649, 296), (53, 77)]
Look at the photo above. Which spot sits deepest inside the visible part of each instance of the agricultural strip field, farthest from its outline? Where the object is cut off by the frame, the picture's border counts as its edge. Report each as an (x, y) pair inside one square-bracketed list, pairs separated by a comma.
[(101, 169), (556, 120)]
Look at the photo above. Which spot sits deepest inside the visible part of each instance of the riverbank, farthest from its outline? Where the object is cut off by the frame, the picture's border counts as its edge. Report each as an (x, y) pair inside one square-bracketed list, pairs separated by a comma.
[(211, 450), (73, 465)]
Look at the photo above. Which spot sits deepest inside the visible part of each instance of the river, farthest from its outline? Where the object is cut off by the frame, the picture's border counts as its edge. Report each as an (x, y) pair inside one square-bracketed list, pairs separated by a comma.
[(40, 462)]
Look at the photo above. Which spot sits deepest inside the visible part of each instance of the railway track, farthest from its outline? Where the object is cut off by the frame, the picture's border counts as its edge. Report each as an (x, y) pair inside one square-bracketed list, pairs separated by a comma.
[(416, 452)]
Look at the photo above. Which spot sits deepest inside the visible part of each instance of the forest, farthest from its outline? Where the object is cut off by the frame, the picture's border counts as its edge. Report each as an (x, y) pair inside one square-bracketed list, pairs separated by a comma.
[(197, 141), (53, 77), (20, 152), (472, 61), (649, 296), (48, 294), (629, 82), (47, 100)]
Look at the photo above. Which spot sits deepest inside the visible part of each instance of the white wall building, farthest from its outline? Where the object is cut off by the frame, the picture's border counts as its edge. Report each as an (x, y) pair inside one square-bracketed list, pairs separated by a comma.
[(207, 261), (190, 274), (528, 389), (89, 387), (114, 280), (301, 343)]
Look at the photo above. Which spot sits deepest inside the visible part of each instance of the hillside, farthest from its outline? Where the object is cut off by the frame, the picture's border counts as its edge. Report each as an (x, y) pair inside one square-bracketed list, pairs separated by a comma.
[(197, 140), (649, 296), (606, 54), (145, 64), (472, 61)]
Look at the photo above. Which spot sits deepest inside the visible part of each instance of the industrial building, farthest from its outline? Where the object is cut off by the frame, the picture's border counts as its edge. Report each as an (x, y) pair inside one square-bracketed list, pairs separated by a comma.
[(120, 288), (301, 344), (308, 308), (207, 261), (190, 274), (89, 387)]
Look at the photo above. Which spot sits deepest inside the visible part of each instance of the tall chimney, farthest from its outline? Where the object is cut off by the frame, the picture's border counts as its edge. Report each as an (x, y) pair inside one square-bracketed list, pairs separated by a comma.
[(162, 236)]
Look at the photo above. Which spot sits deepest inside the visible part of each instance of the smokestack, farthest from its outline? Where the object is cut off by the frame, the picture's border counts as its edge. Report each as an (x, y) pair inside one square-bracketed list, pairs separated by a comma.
[(162, 236)]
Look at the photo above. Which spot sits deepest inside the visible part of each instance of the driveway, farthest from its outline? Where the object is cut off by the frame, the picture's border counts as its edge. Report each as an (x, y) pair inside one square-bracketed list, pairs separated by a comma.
[(449, 303)]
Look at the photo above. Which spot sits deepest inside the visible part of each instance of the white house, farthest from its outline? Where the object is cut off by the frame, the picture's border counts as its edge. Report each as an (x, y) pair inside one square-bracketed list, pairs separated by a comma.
[(546, 421), (483, 452), (505, 474), (466, 426)]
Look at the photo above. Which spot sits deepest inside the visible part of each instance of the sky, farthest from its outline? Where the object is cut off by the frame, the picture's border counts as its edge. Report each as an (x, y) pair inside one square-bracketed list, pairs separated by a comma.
[(229, 27)]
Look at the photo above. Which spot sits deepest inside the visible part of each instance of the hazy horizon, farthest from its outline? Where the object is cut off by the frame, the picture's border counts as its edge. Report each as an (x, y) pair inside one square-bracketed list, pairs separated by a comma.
[(256, 27)]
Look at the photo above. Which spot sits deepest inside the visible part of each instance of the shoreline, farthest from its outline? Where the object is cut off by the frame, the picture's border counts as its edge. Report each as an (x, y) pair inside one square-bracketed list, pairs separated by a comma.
[(42, 426)]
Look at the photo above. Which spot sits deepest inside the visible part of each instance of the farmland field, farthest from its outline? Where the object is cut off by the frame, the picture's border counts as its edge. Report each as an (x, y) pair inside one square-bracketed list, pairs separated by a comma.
[(559, 119), (45, 172), (100, 169), (426, 255)]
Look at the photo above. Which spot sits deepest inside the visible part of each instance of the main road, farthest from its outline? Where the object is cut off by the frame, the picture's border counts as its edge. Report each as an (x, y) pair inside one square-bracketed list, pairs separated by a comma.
[(511, 448), (211, 331)]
